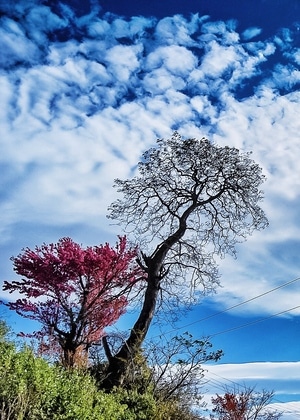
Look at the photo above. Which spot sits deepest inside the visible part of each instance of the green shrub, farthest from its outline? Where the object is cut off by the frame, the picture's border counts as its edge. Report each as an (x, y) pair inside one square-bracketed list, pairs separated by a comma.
[(31, 389), (146, 406), (139, 406)]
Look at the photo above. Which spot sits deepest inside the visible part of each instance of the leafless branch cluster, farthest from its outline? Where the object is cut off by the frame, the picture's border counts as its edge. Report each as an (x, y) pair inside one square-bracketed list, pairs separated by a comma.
[(195, 198)]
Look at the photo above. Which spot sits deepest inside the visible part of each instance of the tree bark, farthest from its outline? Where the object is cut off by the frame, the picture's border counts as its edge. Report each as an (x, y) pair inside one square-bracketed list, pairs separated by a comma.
[(178, 178), (120, 362)]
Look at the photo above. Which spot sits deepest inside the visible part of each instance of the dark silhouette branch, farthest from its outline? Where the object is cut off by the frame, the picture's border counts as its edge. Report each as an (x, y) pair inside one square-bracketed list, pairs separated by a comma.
[(188, 195)]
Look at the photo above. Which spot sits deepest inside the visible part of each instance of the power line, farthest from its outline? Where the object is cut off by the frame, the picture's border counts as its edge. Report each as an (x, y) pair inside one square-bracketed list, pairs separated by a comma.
[(293, 407), (255, 322), (239, 326), (233, 307), (220, 385)]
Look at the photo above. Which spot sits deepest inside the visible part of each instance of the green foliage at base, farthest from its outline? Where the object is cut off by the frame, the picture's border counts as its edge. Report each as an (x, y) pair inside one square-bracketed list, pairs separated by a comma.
[(146, 407), (140, 406), (33, 389)]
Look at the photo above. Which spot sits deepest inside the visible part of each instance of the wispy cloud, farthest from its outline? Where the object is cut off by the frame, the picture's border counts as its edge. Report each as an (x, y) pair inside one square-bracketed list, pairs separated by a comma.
[(251, 33), (283, 378)]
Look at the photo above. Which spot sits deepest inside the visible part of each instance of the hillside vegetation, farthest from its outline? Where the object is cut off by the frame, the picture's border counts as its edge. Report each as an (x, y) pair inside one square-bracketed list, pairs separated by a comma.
[(33, 389)]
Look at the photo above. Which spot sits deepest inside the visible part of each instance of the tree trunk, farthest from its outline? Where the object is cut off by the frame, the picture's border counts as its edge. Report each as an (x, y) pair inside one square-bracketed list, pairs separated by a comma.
[(69, 357), (121, 362)]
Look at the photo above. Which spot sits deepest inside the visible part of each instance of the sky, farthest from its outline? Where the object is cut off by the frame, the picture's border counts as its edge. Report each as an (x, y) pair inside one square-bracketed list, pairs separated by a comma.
[(87, 86)]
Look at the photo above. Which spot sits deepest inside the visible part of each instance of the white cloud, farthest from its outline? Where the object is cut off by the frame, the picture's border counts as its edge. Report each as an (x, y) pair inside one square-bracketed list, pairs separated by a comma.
[(251, 33), (256, 371), (218, 59), (98, 28), (85, 109), (176, 30), (175, 59), (41, 20), (123, 61), (14, 45), (282, 377)]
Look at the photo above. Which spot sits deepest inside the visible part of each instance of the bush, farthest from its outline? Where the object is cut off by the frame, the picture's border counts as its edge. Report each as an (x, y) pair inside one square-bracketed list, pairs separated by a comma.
[(140, 406), (147, 406), (31, 389)]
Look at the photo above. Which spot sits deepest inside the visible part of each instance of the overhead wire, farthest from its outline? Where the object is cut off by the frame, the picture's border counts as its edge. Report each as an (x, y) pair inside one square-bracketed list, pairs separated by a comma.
[(236, 306), (254, 322), (219, 384), (293, 409)]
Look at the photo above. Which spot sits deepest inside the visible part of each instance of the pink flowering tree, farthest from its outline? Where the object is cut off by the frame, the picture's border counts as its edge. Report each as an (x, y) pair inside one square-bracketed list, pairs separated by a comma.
[(73, 292)]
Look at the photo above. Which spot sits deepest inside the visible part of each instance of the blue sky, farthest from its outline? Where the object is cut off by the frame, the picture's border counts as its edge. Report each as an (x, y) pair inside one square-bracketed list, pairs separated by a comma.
[(86, 87)]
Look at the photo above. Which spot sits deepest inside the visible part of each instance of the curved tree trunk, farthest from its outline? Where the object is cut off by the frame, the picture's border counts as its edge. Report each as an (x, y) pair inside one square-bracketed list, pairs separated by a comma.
[(120, 362), (219, 185)]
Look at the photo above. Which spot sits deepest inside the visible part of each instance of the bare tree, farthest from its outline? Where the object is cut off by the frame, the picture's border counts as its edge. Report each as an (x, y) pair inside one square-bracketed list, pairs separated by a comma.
[(190, 201), (246, 404), (176, 366)]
